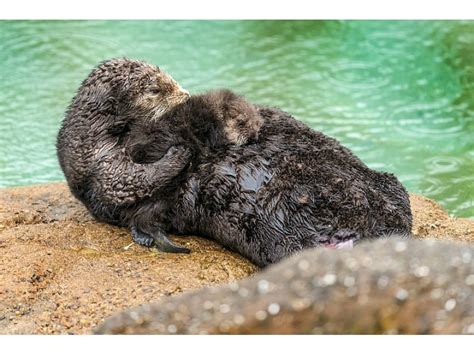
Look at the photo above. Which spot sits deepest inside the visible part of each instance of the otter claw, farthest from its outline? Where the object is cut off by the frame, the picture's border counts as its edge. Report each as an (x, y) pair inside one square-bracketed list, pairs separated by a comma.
[(174, 150)]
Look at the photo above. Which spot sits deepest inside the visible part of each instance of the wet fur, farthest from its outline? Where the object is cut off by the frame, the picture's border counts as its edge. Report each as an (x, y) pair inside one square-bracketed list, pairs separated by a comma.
[(121, 94), (287, 189), (202, 124), (90, 142), (290, 189)]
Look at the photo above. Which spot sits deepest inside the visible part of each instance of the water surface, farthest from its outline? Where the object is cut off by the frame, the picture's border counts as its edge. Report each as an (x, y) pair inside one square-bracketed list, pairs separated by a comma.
[(400, 94)]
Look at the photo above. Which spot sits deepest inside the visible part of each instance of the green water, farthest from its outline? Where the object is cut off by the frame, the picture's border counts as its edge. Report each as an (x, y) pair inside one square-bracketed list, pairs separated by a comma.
[(400, 94)]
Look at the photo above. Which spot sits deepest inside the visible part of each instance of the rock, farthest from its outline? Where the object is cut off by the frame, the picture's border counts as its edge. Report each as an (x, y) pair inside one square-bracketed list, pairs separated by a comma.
[(62, 272), (432, 221), (385, 286)]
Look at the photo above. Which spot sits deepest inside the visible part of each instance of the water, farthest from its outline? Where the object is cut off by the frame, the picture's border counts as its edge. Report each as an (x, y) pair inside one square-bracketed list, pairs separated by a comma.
[(400, 94)]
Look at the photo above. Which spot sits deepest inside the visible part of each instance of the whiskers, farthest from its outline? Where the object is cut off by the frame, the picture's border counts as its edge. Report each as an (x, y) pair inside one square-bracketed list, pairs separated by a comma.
[(166, 106), (159, 111)]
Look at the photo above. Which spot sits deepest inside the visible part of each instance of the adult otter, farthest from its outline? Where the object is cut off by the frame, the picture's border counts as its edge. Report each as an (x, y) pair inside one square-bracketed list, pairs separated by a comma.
[(90, 142), (291, 189), (117, 95)]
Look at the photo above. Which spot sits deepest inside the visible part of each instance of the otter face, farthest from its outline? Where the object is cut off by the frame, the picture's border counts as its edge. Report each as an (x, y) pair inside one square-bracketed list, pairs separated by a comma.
[(153, 91), (243, 127), (129, 89), (241, 119)]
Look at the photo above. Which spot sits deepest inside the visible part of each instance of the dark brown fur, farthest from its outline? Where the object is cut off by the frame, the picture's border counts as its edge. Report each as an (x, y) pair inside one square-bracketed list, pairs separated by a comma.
[(203, 124), (292, 188), (121, 94), (90, 143), (288, 189)]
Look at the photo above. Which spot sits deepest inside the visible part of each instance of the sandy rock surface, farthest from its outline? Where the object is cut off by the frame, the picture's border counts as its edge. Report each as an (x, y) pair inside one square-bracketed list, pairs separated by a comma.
[(432, 221), (62, 272)]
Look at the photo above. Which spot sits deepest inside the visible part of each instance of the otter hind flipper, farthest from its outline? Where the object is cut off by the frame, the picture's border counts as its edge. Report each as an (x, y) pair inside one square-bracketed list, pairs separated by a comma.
[(163, 244), (141, 238), (159, 239)]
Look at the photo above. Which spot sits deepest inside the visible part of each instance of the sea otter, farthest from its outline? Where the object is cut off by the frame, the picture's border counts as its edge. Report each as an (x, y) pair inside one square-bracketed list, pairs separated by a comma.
[(203, 123), (291, 188), (117, 95), (90, 141)]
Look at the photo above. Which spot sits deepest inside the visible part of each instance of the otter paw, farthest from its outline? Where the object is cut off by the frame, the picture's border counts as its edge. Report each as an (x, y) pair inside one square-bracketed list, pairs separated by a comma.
[(141, 238), (173, 150)]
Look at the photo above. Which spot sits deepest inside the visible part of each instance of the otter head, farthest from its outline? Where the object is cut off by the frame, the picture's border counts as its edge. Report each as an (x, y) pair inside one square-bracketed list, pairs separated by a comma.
[(240, 119), (152, 91), (124, 90), (243, 124)]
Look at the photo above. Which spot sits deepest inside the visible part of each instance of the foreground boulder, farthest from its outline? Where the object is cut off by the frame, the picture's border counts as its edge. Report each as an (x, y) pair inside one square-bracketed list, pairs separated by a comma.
[(385, 286)]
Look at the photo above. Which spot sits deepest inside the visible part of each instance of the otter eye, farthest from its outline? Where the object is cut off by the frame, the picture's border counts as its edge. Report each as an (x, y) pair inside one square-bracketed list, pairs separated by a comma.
[(154, 91)]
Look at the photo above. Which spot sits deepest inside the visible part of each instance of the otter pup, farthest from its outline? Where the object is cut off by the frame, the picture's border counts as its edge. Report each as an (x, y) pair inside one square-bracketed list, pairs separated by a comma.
[(290, 189), (121, 95), (203, 124)]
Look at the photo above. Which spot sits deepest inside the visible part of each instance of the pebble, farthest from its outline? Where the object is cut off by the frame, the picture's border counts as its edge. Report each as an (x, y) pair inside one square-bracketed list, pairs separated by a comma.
[(401, 295), (263, 286), (261, 315)]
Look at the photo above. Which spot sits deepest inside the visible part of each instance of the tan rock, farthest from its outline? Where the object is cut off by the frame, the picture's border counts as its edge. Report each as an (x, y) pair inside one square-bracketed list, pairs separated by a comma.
[(431, 220), (62, 272)]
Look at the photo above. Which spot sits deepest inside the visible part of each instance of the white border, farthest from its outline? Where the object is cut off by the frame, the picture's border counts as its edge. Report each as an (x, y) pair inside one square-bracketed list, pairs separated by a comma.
[(210, 345), (236, 9)]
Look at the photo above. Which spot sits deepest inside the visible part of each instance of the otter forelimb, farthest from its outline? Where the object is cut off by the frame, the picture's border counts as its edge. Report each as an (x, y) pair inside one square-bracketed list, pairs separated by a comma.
[(122, 182)]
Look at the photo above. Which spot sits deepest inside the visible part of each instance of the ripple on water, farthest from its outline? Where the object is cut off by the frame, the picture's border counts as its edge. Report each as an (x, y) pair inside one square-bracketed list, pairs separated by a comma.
[(443, 164), (79, 50), (467, 206), (394, 40), (436, 119), (357, 75), (399, 93), (431, 185)]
